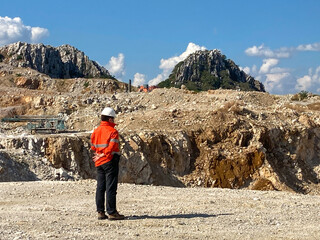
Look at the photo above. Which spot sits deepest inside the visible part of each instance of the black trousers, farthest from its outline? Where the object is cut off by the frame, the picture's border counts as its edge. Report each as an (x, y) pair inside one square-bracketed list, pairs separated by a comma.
[(107, 183)]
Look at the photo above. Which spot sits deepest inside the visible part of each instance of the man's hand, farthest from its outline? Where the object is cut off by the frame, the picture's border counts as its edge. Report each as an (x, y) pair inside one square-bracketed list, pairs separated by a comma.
[(97, 156)]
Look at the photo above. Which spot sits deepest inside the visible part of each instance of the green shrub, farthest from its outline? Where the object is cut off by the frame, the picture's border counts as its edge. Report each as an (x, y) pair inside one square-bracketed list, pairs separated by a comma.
[(226, 82), (209, 82), (19, 57), (165, 84), (104, 75), (86, 84), (245, 86), (193, 86), (300, 96), (303, 95)]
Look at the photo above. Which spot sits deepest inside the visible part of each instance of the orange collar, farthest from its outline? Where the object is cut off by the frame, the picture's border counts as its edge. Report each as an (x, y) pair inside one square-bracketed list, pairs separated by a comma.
[(105, 123)]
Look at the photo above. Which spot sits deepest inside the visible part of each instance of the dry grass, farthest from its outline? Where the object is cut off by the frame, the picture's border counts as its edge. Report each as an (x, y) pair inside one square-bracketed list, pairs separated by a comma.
[(314, 106), (303, 108), (297, 107)]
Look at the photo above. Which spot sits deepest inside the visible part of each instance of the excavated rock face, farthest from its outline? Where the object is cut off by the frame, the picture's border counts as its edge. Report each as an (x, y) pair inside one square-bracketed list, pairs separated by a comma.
[(147, 158), (236, 155), (156, 158), (61, 62), (293, 154), (204, 70), (47, 158)]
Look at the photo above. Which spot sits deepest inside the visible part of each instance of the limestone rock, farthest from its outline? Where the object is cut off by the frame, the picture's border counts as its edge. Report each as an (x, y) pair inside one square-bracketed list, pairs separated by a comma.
[(27, 82), (62, 62)]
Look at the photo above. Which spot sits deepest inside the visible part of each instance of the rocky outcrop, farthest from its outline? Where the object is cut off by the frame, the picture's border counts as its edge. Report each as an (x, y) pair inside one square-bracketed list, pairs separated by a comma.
[(31, 79), (205, 70), (62, 62), (236, 155), (47, 158), (146, 158), (30, 83)]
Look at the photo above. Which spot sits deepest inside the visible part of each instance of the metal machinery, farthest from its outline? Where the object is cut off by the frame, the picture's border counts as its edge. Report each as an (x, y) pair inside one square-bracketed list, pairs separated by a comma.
[(35, 124)]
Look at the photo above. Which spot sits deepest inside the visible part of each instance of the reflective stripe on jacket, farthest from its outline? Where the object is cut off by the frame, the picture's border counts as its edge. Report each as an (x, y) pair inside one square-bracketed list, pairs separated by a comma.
[(105, 139)]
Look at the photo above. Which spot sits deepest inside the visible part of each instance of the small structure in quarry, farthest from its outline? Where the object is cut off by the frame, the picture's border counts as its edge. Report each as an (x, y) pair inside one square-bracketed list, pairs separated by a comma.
[(51, 124)]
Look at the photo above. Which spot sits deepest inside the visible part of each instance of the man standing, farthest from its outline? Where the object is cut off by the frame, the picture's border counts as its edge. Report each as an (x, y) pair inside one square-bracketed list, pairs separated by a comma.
[(105, 143)]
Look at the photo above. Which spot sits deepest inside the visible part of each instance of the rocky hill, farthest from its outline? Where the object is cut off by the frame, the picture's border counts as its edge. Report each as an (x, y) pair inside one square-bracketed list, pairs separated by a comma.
[(62, 62), (208, 70)]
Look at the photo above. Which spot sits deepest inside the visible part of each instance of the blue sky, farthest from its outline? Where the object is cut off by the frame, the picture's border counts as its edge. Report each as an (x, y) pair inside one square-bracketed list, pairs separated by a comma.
[(277, 42)]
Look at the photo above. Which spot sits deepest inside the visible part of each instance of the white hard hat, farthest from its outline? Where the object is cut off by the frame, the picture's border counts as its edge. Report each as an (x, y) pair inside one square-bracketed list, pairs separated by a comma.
[(108, 112)]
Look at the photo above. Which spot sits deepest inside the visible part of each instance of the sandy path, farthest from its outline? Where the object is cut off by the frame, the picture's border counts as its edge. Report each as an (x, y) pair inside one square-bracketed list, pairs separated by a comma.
[(66, 210)]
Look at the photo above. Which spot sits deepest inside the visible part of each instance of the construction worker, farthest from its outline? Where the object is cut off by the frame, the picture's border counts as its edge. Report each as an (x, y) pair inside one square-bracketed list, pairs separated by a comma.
[(105, 143)]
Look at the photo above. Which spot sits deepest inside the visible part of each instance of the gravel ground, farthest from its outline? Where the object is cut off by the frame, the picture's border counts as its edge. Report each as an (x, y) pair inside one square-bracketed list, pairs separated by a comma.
[(66, 210)]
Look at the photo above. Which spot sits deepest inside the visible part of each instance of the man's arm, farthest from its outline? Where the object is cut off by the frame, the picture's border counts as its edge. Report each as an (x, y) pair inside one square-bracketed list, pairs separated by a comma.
[(113, 146), (93, 148)]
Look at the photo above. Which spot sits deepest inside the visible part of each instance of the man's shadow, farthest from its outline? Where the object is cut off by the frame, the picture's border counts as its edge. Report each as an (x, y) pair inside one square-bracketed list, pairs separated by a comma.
[(189, 215)]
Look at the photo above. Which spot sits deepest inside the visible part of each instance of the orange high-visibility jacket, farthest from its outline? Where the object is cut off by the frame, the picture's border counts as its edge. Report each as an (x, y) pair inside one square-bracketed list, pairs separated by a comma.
[(105, 139)]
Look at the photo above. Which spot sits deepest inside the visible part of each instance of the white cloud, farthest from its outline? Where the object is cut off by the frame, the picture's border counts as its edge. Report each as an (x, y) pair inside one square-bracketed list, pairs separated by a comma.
[(38, 33), (116, 66), (310, 81), (262, 51), (13, 30), (171, 62), (281, 80), (275, 81), (159, 78), (167, 65), (246, 70), (267, 65), (279, 70), (284, 52), (139, 79), (254, 69), (304, 83), (309, 47)]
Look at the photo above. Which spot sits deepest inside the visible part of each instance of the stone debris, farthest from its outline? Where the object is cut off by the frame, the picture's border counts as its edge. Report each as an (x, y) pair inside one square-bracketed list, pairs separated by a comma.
[(66, 210)]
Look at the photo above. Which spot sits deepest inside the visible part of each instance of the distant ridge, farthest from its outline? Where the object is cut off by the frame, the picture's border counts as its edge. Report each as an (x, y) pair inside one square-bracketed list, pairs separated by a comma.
[(62, 62)]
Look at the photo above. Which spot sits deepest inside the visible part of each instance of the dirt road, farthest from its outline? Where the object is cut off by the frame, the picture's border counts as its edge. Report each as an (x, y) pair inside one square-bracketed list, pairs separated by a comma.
[(66, 210)]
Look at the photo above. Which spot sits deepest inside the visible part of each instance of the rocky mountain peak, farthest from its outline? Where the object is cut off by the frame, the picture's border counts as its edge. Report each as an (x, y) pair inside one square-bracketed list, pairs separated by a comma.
[(61, 62), (210, 69)]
